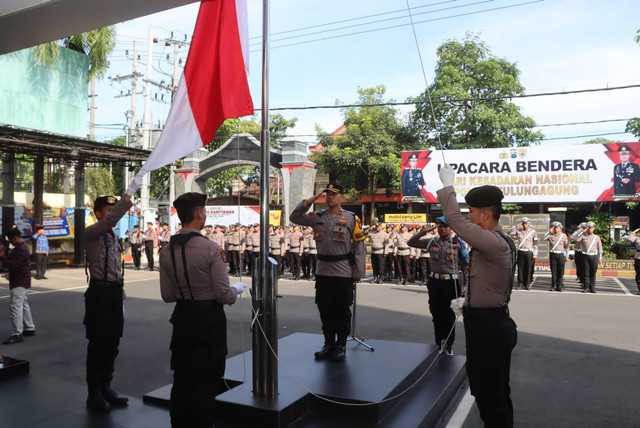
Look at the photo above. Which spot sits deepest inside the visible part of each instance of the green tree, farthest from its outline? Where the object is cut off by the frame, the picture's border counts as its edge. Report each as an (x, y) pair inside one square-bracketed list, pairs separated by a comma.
[(470, 94), (633, 125), (98, 181), (366, 156)]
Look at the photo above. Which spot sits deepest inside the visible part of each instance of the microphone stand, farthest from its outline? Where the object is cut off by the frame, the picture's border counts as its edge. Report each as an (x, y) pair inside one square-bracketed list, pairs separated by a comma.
[(353, 336)]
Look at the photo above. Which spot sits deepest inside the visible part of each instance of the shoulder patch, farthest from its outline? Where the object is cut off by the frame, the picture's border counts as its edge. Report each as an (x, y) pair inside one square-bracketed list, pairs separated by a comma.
[(223, 254), (358, 233)]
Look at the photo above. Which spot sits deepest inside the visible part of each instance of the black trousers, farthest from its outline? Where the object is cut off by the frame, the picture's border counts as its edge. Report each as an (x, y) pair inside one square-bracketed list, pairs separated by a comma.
[(490, 337), (294, 261), (41, 264), (405, 266), (135, 253), (305, 265), (441, 293), (198, 353), (424, 268), (525, 263), (589, 269), (377, 264), (636, 265), (388, 265), (579, 259), (334, 297), (104, 323), (148, 250), (313, 261), (556, 262), (234, 261)]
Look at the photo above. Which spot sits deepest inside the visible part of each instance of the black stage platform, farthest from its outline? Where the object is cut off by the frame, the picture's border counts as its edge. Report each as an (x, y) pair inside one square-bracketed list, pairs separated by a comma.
[(365, 385)]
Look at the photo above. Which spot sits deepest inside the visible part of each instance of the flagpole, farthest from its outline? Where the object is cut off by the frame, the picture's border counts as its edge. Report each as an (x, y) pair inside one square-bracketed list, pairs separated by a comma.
[(265, 339)]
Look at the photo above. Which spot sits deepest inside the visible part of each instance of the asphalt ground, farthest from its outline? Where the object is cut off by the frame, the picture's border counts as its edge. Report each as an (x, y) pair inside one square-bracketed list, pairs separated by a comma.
[(577, 362)]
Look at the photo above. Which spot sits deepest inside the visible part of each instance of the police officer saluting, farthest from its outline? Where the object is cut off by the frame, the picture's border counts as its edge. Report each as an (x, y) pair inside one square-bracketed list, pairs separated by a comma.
[(558, 254), (527, 251), (591, 256), (449, 259), (104, 317), (490, 332), (341, 263), (193, 273)]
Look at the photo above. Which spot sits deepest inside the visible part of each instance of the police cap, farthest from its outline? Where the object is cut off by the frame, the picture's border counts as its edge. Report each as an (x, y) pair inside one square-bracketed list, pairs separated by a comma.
[(334, 188), (484, 196), (413, 156), (624, 150), (591, 224), (442, 220), (101, 201), (525, 220), (556, 224)]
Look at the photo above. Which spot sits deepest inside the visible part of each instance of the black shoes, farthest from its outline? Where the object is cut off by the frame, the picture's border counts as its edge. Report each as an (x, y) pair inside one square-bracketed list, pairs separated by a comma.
[(97, 402), (113, 398), (324, 353), (29, 333), (338, 354), (404, 281), (15, 338)]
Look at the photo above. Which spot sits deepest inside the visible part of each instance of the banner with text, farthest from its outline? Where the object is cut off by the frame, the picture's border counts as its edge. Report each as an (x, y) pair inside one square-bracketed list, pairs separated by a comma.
[(585, 173)]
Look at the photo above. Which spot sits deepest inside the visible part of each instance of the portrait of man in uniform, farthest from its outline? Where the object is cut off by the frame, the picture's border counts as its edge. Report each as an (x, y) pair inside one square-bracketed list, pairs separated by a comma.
[(625, 174), (412, 179)]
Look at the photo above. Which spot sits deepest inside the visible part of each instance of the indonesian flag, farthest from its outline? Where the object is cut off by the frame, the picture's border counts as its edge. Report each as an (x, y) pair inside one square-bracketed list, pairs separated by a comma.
[(213, 86)]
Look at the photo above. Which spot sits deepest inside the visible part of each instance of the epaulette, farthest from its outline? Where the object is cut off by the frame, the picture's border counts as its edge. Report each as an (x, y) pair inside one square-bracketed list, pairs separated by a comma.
[(320, 212)]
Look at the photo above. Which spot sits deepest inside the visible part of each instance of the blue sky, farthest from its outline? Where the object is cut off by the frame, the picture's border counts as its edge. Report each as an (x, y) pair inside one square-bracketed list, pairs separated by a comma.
[(558, 45)]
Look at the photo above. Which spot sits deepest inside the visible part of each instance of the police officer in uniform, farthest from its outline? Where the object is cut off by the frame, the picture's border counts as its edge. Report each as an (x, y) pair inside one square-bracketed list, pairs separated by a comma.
[(150, 236), (135, 239), (104, 317), (294, 246), (379, 240), (164, 236), (527, 251), (388, 254), (633, 238), (449, 264), (275, 245), (412, 179), (341, 263), (193, 274), (591, 256), (403, 251), (490, 332), (233, 250), (625, 174), (558, 254), (579, 252)]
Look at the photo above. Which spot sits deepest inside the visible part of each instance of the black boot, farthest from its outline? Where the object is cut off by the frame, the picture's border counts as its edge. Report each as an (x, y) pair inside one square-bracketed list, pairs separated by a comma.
[(339, 353), (325, 352), (113, 398), (404, 281), (96, 401)]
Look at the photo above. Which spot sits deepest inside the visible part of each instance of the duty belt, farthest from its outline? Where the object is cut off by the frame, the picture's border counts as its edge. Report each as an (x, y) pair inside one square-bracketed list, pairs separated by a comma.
[(528, 250), (443, 275), (333, 258), (403, 248), (557, 252), (590, 254)]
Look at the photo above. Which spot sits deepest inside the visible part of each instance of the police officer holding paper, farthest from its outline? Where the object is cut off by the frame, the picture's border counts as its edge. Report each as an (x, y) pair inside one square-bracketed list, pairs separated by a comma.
[(490, 332), (104, 316), (341, 263), (193, 273), (449, 265)]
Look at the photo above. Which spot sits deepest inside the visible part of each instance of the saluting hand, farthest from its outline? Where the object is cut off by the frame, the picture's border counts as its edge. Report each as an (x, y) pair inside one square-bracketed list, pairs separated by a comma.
[(311, 200)]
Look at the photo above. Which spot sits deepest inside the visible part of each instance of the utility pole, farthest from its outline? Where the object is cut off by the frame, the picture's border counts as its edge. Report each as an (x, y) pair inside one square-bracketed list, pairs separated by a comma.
[(146, 139)]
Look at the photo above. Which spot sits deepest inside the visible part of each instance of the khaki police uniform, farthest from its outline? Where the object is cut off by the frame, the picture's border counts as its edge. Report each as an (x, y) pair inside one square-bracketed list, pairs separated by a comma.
[(341, 258), (591, 256), (449, 264), (490, 333), (558, 254), (104, 317), (633, 238), (388, 256), (403, 251), (164, 237), (378, 240), (275, 247), (527, 249), (294, 246), (150, 237), (136, 241), (193, 274)]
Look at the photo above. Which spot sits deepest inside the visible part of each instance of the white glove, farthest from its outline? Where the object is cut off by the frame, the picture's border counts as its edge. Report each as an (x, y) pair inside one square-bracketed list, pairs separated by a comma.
[(135, 185), (239, 287), (447, 175), (456, 306)]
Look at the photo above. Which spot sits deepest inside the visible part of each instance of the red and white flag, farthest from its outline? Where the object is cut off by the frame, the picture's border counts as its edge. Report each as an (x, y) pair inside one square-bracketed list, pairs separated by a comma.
[(213, 86)]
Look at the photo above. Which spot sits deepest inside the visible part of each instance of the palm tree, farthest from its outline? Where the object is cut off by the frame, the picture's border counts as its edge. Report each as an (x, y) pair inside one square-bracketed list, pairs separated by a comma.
[(96, 44)]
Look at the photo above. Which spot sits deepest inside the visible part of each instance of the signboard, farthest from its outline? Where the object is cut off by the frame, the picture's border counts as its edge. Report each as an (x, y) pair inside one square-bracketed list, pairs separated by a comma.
[(59, 223), (585, 173), (405, 218)]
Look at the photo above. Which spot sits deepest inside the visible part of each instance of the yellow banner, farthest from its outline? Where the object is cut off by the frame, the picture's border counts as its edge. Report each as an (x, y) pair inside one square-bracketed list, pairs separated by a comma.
[(405, 218), (274, 217)]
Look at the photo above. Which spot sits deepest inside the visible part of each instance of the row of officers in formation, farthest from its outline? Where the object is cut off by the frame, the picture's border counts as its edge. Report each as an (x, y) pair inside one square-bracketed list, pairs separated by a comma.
[(394, 256)]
